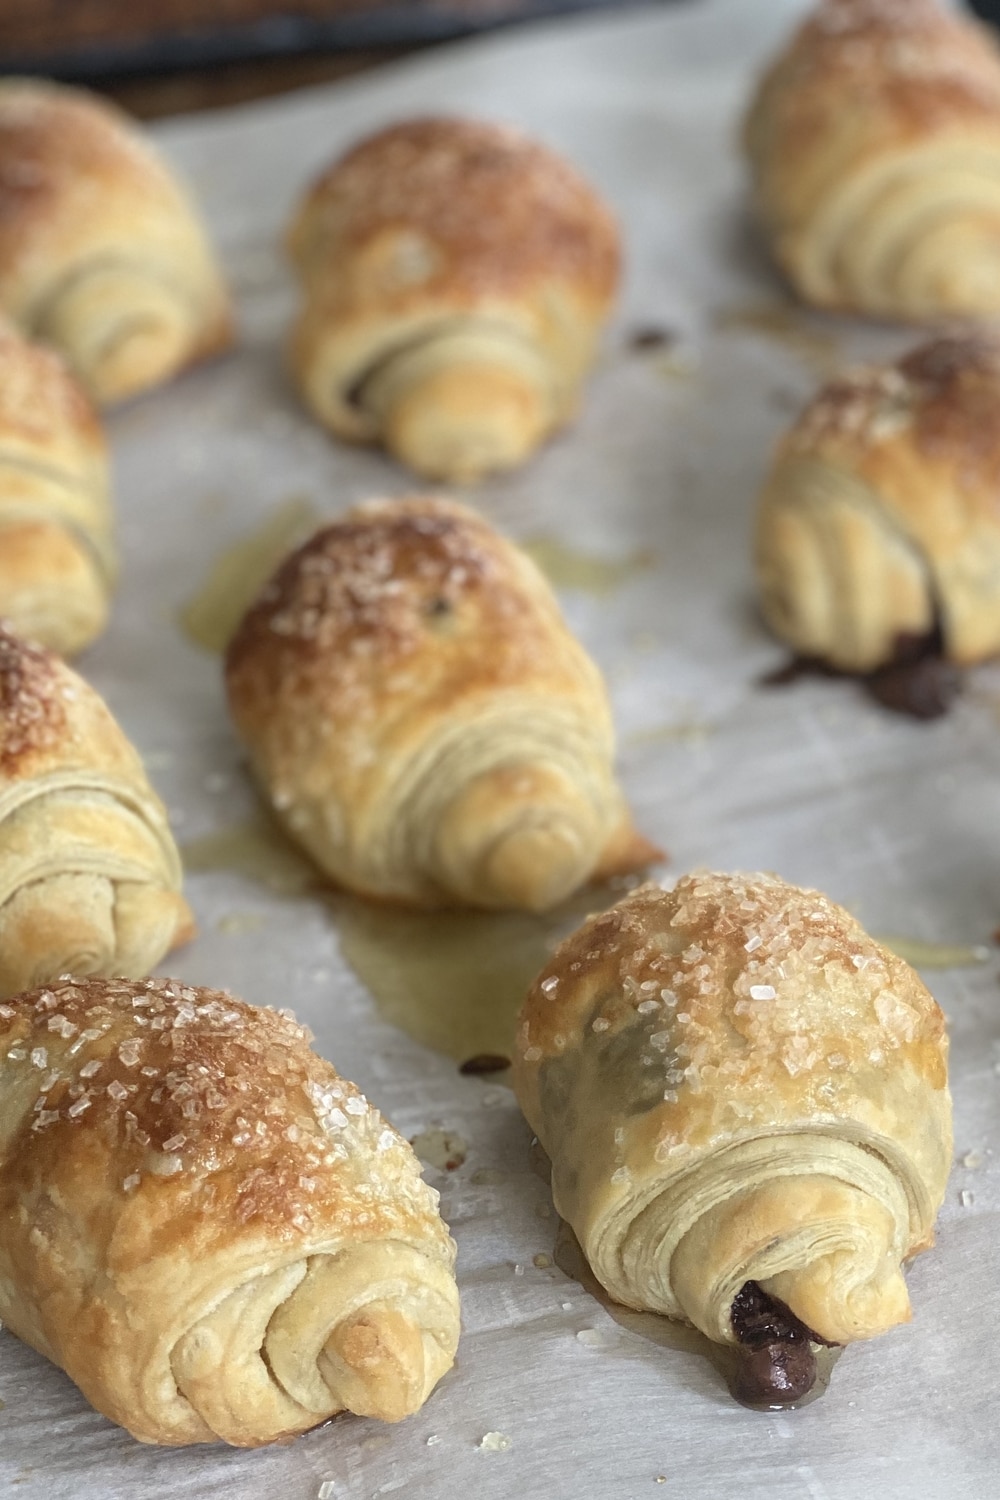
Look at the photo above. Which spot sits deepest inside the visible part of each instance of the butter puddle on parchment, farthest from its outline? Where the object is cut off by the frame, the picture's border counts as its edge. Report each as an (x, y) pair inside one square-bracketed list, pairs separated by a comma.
[(783, 324), (455, 980), (568, 567), (934, 955), (256, 848), (237, 576)]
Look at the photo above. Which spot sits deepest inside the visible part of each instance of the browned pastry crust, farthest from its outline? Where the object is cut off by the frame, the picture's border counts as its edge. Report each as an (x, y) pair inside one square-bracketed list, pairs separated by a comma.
[(100, 250), (57, 556), (212, 1233), (421, 718), (736, 1084), (90, 878), (874, 141), (456, 277), (879, 519)]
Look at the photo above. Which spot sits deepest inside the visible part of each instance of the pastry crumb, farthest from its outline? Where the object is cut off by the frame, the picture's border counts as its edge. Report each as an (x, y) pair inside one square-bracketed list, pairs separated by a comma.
[(444, 1149), (494, 1442)]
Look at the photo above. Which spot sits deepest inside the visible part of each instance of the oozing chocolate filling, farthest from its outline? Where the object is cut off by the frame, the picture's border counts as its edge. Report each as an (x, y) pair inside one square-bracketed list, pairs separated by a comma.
[(919, 680), (778, 1366)]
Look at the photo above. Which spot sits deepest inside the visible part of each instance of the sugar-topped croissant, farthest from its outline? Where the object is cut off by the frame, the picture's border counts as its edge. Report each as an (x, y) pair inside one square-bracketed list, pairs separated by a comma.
[(456, 276), (208, 1229), (745, 1102), (423, 721), (90, 878), (874, 141), (57, 554), (100, 250), (878, 522)]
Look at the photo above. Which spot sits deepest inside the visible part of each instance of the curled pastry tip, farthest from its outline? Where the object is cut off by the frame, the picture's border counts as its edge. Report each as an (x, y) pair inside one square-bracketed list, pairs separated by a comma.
[(628, 852), (534, 866), (462, 421), (375, 1361), (121, 332), (839, 1305)]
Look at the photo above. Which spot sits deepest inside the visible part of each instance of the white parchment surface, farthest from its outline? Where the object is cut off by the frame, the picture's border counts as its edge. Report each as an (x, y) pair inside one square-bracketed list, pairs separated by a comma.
[(899, 820)]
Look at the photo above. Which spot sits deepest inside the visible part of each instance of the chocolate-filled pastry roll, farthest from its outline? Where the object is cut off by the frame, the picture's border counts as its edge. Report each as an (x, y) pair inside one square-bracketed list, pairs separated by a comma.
[(874, 141), (746, 1106), (422, 720), (878, 523), (208, 1229), (57, 554), (90, 878), (456, 276), (100, 250)]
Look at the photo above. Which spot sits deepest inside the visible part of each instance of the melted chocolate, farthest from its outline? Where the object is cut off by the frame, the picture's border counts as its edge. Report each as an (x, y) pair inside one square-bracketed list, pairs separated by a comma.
[(919, 680), (651, 336), (777, 1365), (484, 1062)]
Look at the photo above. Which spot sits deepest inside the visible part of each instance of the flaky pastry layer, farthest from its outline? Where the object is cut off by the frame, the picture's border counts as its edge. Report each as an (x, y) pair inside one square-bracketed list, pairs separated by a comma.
[(57, 553), (101, 253), (90, 877), (878, 521)]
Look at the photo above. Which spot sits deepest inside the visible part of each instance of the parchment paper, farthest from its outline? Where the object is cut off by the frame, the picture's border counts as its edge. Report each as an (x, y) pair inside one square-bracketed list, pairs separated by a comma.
[(899, 820)]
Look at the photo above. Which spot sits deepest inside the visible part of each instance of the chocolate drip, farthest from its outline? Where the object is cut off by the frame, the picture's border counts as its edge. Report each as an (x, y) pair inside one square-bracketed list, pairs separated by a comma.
[(777, 1365), (651, 336), (484, 1063), (919, 680)]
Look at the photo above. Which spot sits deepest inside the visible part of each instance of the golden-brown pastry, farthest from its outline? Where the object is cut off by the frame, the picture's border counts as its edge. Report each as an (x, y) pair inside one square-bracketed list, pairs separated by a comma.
[(421, 718), (874, 141), (456, 277), (738, 1088), (100, 250), (57, 554), (879, 521), (212, 1233), (90, 878)]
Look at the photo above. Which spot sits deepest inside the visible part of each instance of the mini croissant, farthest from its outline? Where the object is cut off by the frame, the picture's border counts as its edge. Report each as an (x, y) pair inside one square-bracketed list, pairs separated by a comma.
[(212, 1233), (874, 141), (879, 522), (456, 278), (745, 1102), (89, 874), (57, 555), (423, 721), (100, 251)]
